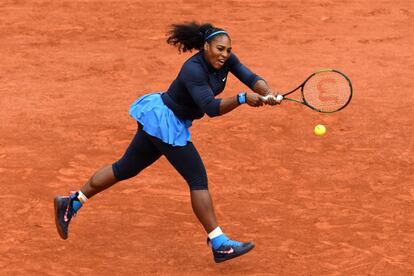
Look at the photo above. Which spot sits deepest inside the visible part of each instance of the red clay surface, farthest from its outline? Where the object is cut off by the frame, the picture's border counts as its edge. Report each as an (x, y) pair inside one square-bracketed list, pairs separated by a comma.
[(337, 205)]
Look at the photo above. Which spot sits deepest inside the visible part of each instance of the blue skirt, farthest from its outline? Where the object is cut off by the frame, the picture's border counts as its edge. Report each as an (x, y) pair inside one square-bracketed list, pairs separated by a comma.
[(159, 121)]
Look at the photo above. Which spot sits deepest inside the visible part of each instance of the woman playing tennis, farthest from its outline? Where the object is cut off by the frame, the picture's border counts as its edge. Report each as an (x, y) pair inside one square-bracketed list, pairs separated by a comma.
[(164, 120)]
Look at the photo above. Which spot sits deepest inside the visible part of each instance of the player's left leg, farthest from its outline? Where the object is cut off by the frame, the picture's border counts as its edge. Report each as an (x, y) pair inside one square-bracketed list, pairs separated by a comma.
[(188, 163)]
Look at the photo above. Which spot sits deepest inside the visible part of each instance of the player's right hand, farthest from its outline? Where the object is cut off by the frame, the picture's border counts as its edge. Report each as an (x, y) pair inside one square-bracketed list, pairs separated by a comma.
[(254, 99)]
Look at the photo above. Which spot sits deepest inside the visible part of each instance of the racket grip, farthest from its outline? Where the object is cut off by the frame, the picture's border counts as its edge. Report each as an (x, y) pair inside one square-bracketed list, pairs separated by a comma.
[(278, 98)]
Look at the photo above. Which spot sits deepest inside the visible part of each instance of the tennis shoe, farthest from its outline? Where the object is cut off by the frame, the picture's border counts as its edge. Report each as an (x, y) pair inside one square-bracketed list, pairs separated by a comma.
[(230, 249), (64, 213)]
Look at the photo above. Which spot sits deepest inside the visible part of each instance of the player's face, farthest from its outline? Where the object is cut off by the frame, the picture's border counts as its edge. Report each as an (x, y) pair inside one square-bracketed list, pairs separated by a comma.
[(217, 51)]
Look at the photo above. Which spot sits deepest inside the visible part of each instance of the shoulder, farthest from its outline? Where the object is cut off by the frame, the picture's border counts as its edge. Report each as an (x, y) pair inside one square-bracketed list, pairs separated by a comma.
[(233, 59), (193, 68)]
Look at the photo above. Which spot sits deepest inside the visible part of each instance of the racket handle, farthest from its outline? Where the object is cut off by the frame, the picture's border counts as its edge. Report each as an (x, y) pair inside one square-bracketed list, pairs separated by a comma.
[(278, 98)]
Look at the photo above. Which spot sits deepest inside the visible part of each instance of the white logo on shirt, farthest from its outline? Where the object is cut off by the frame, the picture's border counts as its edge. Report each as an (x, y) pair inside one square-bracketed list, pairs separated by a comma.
[(224, 79)]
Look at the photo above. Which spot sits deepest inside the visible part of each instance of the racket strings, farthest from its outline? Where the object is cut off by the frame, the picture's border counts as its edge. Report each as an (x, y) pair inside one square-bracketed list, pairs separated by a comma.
[(327, 91)]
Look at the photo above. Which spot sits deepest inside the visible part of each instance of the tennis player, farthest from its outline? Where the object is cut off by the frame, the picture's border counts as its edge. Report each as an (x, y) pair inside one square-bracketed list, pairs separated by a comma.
[(164, 120)]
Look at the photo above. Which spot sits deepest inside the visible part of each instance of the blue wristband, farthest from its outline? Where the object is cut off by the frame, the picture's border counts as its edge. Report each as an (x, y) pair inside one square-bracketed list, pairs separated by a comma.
[(241, 98)]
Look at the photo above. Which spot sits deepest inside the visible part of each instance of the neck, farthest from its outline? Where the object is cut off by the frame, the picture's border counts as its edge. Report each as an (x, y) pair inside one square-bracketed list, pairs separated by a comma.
[(209, 66)]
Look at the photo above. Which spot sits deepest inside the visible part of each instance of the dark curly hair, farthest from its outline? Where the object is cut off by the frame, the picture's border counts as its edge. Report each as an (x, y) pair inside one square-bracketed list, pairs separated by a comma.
[(190, 36)]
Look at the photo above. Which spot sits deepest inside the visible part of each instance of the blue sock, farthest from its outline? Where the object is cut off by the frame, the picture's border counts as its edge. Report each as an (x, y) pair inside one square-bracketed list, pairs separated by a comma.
[(218, 241)]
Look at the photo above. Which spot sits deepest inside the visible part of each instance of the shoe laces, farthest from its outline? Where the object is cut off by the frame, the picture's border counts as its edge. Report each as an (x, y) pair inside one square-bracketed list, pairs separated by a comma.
[(232, 243)]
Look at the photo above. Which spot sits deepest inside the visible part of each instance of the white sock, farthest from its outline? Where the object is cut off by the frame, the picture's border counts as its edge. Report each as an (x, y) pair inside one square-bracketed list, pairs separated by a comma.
[(215, 233), (82, 198)]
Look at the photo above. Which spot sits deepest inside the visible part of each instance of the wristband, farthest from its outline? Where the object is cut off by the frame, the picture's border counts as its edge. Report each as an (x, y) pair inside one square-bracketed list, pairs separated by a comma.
[(241, 98)]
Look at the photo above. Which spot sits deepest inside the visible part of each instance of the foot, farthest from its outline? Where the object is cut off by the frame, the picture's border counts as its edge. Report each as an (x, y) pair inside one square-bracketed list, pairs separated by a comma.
[(231, 249), (63, 214)]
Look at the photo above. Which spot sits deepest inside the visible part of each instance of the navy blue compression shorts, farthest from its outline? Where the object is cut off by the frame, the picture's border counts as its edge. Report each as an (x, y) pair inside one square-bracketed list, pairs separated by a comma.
[(145, 149)]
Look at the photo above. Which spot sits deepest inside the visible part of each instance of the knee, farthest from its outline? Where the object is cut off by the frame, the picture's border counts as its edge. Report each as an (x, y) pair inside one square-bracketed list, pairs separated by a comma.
[(198, 183), (123, 172)]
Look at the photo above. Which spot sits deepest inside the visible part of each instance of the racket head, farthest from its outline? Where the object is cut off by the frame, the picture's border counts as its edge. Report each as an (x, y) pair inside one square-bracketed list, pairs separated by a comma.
[(327, 91)]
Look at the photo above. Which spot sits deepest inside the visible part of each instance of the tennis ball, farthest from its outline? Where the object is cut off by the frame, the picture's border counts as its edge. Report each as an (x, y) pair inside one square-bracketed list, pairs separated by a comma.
[(319, 130)]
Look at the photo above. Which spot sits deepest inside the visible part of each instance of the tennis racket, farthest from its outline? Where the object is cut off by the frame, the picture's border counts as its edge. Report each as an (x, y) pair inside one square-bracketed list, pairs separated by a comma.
[(325, 91)]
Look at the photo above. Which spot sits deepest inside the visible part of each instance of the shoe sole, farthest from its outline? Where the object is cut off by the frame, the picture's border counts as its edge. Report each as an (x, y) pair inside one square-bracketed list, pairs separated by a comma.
[(220, 260), (60, 231)]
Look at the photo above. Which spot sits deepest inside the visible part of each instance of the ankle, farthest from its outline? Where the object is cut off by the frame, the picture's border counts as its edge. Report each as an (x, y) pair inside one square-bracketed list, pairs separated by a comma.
[(77, 200), (218, 241)]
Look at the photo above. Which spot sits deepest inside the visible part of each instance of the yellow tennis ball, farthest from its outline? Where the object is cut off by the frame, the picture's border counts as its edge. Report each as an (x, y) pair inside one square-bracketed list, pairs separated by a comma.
[(319, 130)]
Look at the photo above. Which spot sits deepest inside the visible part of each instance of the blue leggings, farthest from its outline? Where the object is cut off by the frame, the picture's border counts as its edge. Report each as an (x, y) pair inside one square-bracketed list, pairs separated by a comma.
[(146, 149)]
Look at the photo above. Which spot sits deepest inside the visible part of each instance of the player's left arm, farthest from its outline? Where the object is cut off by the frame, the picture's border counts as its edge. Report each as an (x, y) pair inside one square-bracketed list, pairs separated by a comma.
[(253, 81), (196, 82)]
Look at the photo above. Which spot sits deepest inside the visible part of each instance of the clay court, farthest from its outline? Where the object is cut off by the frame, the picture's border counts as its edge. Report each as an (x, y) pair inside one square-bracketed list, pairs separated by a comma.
[(341, 204)]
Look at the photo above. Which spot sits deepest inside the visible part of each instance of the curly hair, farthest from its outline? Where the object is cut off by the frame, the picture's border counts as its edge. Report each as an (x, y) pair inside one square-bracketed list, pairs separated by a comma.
[(190, 36)]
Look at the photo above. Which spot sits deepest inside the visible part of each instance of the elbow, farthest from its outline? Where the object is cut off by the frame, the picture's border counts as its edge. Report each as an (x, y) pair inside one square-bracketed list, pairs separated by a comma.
[(213, 112), (213, 108), (254, 81)]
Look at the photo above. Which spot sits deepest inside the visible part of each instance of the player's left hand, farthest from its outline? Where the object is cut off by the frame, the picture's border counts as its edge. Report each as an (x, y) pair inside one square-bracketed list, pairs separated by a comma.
[(272, 98)]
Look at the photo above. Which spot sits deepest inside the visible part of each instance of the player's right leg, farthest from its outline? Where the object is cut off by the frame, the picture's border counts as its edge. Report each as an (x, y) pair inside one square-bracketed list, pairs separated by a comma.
[(66, 207), (140, 154)]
